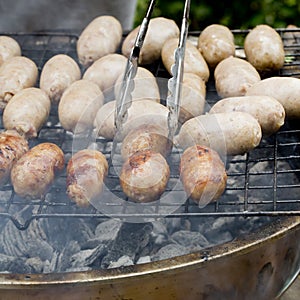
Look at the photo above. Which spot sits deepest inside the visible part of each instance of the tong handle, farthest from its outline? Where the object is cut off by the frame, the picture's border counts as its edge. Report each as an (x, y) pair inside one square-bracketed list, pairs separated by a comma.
[(123, 102), (175, 82)]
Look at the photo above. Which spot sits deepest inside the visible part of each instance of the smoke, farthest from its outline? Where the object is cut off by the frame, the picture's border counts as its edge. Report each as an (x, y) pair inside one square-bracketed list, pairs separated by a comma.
[(74, 15)]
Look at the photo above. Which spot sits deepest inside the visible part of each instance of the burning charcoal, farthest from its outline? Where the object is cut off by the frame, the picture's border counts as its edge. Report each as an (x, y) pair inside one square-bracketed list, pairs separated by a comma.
[(170, 250), (87, 257), (159, 233), (123, 261), (132, 238), (51, 266), (190, 239)]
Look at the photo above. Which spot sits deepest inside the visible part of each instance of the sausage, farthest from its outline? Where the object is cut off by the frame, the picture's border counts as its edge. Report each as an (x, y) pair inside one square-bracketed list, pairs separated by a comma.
[(57, 74), (12, 147), (269, 113), (78, 106), (144, 176), (203, 174), (228, 133), (105, 72), (146, 137), (27, 111), (233, 76), (192, 97), (216, 42), (159, 31), (33, 174), (86, 171), (264, 49), (16, 73), (100, 37), (9, 47), (145, 86), (285, 89), (193, 59), (140, 112)]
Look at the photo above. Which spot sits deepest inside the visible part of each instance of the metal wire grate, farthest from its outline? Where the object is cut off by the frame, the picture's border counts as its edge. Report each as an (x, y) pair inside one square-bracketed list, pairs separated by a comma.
[(264, 181)]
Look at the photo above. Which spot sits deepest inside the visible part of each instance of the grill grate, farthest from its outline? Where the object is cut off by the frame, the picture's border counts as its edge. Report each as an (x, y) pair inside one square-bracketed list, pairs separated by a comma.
[(263, 182)]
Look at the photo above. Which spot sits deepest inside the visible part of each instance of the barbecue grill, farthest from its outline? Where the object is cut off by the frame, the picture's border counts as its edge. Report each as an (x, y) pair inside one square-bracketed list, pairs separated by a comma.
[(261, 264)]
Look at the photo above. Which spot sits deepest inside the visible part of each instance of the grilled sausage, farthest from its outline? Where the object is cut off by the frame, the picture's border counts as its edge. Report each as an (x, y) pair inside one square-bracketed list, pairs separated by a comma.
[(233, 76), (203, 174), (193, 59), (159, 31), (264, 49), (12, 147), (100, 37), (27, 111), (146, 137), (33, 174), (145, 86), (216, 42), (105, 72), (78, 105), (9, 47), (86, 171), (144, 176), (59, 72), (285, 89), (16, 73), (227, 133), (269, 113), (141, 112)]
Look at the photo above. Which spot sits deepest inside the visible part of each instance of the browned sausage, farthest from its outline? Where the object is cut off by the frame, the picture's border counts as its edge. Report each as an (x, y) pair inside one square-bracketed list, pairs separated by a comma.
[(144, 176), (12, 147), (203, 174), (33, 174), (86, 171), (146, 137)]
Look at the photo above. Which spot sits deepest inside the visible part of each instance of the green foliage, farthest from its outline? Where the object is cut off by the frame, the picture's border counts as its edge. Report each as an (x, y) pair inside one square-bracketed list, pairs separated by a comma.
[(234, 14)]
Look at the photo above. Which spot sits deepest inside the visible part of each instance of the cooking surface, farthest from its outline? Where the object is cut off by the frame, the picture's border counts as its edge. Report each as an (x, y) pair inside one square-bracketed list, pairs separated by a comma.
[(262, 182)]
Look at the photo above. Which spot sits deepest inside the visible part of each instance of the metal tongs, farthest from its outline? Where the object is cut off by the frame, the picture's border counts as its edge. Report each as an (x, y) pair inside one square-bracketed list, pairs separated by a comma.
[(175, 82), (123, 102)]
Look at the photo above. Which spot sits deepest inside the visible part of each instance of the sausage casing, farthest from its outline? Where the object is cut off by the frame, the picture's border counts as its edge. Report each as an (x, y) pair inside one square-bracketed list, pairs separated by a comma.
[(27, 111), (9, 47), (100, 37), (234, 76), (12, 147), (203, 174), (16, 73), (229, 133), (144, 176), (33, 174), (86, 171), (59, 72), (78, 105)]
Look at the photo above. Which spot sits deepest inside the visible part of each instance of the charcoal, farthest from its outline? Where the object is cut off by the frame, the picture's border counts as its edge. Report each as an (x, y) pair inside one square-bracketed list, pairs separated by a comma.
[(64, 258), (144, 259), (51, 266), (169, 251), (86, 258), (107, 231), (10, 264), (190, 239), (132, 238), (35, 264), (123, 261)]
